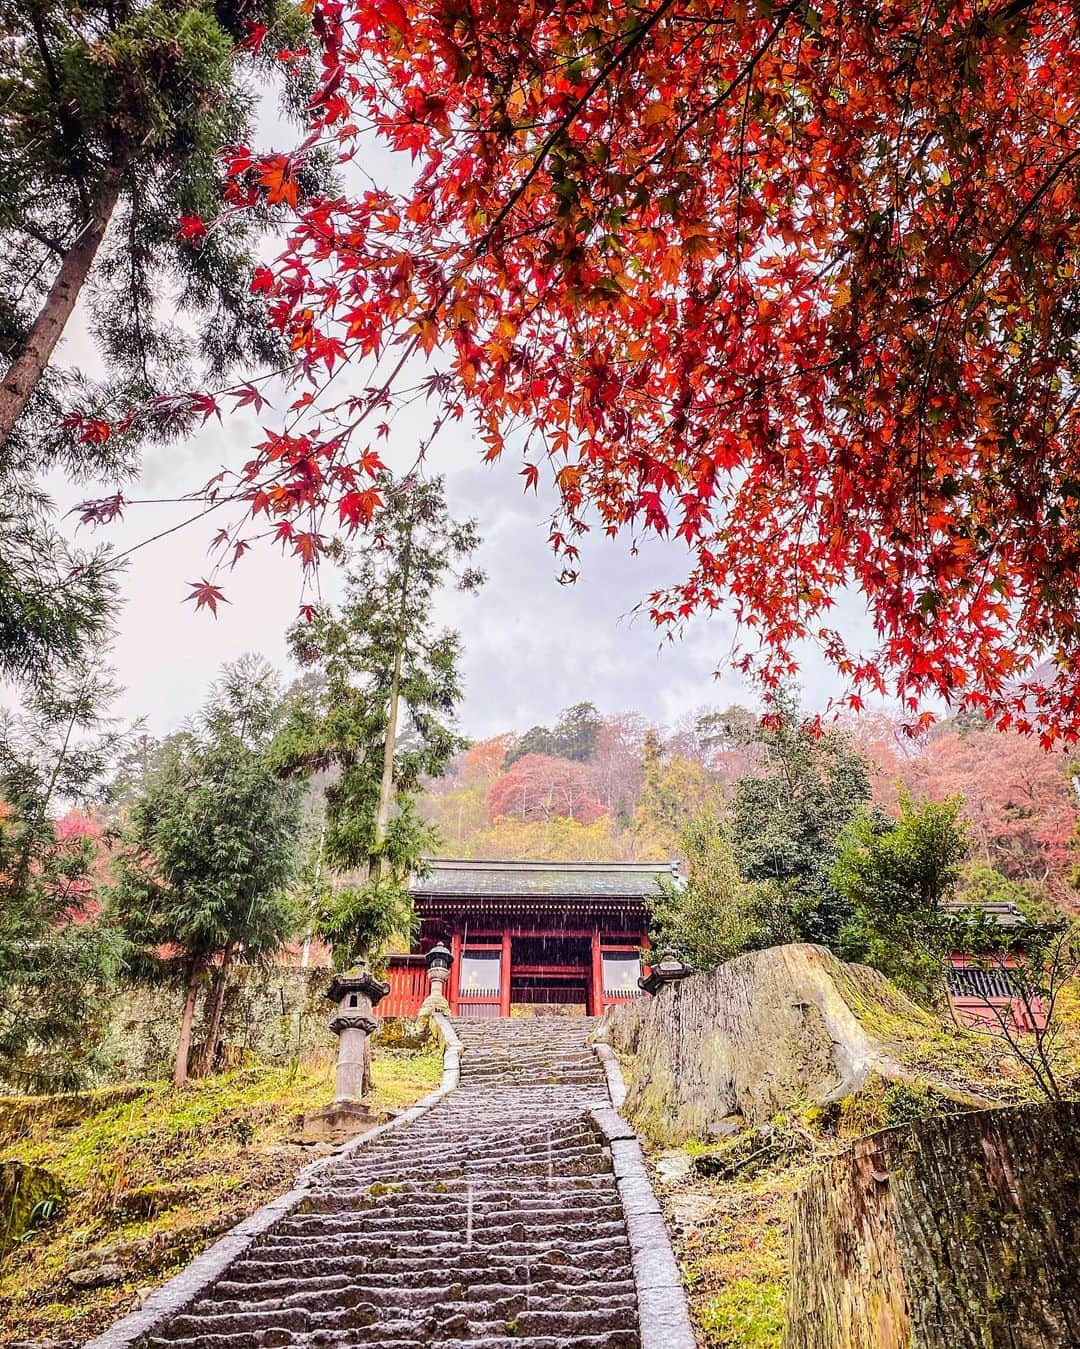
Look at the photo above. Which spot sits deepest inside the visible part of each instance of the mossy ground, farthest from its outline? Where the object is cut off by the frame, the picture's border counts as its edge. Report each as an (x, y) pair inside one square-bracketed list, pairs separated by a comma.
[(167, 1169), (731, 1239)]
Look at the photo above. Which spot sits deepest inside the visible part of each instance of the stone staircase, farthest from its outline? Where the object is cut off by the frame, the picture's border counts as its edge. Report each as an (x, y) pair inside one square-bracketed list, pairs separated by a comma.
[(492, 1221)]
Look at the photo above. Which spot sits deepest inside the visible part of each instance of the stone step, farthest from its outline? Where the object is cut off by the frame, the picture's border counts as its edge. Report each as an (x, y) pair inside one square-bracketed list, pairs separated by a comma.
[(491, 1222), (527, 1140), (581, 1163), (571, 1189), (616, 1339), (472, 1264), (423, 1253), (492, 1203), (484, 1230), (357, 1313), (230, 1296)]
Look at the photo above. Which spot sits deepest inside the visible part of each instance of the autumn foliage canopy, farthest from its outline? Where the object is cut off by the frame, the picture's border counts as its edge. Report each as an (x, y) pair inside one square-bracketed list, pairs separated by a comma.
[(795, 283)]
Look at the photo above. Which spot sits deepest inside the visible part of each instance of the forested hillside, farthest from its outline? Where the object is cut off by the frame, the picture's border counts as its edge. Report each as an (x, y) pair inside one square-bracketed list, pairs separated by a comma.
[(599, 785)]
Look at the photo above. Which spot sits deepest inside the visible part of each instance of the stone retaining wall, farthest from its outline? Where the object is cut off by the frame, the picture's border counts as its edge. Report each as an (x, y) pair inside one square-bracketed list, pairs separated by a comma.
[(275, 1015)]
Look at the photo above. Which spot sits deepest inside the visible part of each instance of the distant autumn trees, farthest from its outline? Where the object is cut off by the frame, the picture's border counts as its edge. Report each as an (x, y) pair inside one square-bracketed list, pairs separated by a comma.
[(629, 790), (542, 787), (1018, 799)]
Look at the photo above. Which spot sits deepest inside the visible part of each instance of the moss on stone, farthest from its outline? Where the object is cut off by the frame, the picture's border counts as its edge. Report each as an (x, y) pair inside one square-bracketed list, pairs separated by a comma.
[(29, 1198)]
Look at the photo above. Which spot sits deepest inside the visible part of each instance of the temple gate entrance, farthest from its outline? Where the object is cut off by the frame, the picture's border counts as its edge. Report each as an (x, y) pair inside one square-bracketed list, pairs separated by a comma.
[(529, 937), (550, 974)]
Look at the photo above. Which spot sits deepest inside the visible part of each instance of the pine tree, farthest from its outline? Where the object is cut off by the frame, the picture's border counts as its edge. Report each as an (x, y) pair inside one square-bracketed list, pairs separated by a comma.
[(786, 820), (212, 844), (112, 118), (56, 960), (381, 721)]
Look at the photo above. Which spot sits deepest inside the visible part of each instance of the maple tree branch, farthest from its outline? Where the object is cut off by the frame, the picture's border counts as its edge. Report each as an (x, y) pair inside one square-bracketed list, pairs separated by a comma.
[(1014, 225), (560, 130), (746, 73)]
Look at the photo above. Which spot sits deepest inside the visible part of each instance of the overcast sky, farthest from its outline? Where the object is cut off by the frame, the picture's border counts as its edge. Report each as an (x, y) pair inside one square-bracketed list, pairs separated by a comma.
[(531, 645)]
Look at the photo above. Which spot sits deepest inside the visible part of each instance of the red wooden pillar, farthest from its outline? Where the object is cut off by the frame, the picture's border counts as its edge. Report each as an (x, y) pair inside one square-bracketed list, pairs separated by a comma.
[(452, 992), (504, 975), (597, 1007)]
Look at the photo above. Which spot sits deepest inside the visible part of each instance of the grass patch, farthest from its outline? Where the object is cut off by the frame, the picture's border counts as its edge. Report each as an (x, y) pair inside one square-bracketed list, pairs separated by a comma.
[(159, 1174), (731, 1238), (746, 1313)]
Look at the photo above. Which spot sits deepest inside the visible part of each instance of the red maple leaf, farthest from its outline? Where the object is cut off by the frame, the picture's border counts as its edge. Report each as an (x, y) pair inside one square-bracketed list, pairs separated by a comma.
[(206, 594), (191, 227)]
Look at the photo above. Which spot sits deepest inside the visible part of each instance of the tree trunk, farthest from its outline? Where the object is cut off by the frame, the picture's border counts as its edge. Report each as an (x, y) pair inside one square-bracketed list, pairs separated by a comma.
[(30, 363), (960, 1232), (386, 784), (206, 1058), (183, 1047)]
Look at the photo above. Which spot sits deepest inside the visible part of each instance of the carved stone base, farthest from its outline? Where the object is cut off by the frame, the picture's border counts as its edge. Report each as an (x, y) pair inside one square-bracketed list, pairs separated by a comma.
[(433, 1003), (337, 1123)]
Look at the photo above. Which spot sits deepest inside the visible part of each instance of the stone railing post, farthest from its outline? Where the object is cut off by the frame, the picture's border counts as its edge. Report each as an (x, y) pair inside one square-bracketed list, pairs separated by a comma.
[(438, 961), (356, 993)]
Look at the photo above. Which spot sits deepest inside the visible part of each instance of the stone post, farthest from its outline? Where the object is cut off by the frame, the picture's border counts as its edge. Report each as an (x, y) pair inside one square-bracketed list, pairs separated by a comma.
[(667, 971), (356, 993), (438, 961)]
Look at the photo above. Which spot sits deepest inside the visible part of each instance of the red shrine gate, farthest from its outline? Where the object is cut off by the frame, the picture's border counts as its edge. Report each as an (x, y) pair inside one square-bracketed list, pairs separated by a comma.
[(529, 936)]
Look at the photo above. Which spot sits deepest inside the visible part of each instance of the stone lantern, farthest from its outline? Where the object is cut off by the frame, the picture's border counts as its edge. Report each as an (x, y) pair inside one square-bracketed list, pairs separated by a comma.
[(438, 961), (356, 993), (668, 971)]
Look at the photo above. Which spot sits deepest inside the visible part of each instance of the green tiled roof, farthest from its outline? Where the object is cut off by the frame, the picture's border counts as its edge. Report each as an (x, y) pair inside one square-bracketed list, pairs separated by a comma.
[(998, 911), (542, 880)]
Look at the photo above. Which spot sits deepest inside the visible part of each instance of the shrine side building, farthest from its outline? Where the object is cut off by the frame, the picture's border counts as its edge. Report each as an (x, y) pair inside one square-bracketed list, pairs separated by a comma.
[(529, 936)]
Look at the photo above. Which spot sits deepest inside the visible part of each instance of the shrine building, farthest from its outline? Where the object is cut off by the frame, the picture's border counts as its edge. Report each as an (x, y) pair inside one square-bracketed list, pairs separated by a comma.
[(528, 937)]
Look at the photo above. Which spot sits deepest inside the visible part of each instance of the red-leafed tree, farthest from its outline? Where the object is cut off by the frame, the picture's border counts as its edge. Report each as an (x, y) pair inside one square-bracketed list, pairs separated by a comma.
[(539, 787), (1019, 802), (793, 281), (483, 761)]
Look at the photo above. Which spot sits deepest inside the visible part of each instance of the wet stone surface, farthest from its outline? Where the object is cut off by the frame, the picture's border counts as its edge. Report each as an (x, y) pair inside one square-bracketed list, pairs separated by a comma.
[(492, 1221)]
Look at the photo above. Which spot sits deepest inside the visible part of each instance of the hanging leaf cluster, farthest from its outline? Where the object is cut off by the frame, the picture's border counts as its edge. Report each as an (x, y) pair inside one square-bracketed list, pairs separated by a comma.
[(793, 283)]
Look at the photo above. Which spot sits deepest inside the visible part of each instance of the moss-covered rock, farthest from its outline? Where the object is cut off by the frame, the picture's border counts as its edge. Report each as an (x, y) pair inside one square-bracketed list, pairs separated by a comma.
[(29, 1197), (781, 1027), (403, 1032)]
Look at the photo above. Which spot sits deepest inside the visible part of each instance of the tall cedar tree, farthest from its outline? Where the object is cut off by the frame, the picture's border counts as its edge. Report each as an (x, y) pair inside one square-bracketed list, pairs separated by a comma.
[(786, 820), (56, 964), (56, 602), (380, 722), (212, 848), (112, 120)]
